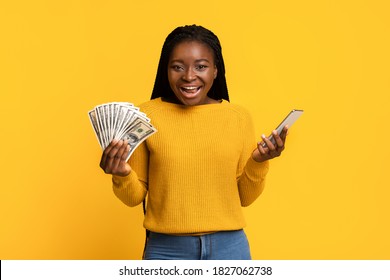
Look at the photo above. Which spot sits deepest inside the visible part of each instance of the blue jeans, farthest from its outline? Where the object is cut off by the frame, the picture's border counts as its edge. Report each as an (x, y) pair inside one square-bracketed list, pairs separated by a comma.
[(223, 245)]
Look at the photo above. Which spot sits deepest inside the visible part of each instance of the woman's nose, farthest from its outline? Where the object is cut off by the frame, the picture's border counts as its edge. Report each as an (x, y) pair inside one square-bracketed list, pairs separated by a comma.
[(189, 75)]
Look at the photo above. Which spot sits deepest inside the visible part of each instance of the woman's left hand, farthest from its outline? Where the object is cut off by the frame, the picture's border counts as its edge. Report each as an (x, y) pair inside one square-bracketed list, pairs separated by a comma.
[(269, 150)]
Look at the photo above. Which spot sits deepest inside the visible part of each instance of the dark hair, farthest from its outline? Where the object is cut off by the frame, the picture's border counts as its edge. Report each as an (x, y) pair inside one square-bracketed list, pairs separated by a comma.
[(190, 33)]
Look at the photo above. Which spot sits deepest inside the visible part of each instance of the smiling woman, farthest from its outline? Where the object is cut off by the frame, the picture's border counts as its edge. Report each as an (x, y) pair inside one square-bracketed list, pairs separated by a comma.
[(189, 36), (196, 182), (191, 72)]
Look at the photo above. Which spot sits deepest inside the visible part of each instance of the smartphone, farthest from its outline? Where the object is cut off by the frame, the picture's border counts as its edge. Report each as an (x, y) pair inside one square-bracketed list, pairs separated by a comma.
[(289, 120)]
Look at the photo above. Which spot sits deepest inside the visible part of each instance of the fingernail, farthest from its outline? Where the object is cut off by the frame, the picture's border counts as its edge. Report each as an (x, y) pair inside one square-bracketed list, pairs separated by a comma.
[(262, 136)]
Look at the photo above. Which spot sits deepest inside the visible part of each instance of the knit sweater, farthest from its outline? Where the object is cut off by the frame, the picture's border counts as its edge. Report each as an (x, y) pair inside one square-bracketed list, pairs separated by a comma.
[(196, 170)]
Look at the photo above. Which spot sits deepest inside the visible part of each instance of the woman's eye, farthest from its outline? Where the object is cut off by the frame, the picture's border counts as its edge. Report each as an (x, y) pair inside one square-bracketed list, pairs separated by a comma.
[(177, 67), (201, 67)]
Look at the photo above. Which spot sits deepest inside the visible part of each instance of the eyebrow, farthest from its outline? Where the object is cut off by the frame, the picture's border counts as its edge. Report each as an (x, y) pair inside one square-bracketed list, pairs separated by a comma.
[(196, 61)]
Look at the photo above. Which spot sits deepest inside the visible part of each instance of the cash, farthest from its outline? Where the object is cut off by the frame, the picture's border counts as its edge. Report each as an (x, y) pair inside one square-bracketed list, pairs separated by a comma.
[(120, 121)]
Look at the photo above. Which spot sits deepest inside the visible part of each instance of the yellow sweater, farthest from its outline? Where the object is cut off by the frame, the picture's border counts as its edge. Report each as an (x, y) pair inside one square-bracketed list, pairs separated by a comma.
[(197, 170)]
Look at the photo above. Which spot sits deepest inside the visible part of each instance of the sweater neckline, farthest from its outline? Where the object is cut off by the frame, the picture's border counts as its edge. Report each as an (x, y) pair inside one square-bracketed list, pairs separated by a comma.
[(189, 107)]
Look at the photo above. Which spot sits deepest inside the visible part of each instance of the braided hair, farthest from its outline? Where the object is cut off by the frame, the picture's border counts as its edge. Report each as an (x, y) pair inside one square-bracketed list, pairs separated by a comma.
[(190, 33)]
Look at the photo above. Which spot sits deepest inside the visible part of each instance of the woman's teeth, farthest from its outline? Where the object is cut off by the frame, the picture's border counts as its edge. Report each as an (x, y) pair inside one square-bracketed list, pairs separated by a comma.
[(190, 89)]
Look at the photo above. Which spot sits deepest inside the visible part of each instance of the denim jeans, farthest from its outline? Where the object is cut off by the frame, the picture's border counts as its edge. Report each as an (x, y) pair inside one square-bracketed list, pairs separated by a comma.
[(223, 245)]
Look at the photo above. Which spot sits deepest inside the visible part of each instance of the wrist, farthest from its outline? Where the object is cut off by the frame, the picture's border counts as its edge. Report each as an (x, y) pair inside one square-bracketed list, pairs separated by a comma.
[(256, 156)]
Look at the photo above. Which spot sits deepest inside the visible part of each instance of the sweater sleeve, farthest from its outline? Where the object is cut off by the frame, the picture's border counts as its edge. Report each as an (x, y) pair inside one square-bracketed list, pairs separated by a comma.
[(132, 189), (250, 173)]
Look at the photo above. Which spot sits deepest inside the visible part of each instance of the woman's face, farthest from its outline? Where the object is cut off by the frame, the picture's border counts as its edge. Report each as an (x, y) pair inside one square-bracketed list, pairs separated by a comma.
[(191, 72)]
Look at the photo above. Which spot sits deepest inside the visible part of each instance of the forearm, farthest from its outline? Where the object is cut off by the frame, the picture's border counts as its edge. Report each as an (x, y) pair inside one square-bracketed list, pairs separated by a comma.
[(252, 181), (130, 190)]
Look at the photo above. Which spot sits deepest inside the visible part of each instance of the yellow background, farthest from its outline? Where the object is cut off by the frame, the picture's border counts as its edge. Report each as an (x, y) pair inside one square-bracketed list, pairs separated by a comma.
[(327, 197)]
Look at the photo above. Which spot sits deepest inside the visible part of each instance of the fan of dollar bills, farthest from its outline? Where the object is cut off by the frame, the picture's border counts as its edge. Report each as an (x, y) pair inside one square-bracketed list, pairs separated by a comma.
[(120, 121)]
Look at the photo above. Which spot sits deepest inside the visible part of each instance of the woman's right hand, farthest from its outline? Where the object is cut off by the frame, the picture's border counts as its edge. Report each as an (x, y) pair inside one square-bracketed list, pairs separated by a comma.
[(113, 160)]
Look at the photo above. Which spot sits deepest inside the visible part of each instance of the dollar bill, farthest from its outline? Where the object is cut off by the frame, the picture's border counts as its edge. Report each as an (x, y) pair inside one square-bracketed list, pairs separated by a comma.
[(136, 134), (120, 121), (93, 119)]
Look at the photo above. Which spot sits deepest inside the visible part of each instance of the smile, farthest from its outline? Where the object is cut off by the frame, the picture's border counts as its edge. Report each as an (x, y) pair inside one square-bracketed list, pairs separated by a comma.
[(190, 90)]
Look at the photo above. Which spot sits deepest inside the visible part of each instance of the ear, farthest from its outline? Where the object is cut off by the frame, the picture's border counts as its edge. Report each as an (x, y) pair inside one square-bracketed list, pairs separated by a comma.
[(215, 71)]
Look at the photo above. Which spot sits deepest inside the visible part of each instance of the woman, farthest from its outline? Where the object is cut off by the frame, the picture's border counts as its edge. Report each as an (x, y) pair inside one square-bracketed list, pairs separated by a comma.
[(202, 165)]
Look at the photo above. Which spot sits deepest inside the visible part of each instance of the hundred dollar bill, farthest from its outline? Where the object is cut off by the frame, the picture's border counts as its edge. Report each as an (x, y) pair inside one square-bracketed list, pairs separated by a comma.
[(120, 120), (118, 112), (106, 117), (92, 118), (102, 124), (126, 116), (137, 134), (129, 123)]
